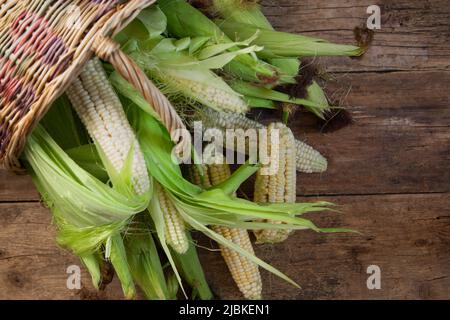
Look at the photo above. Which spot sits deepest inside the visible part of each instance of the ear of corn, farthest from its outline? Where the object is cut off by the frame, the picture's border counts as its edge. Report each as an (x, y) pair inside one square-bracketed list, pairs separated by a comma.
[(282, 44), (244, 272), (174, 225), (186, 21), (279, 187), (97, 105), (249, 12), (183, 77), (308, 160)]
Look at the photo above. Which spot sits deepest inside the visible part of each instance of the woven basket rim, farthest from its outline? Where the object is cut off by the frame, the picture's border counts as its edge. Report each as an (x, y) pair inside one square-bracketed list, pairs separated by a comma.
[(107, 26)]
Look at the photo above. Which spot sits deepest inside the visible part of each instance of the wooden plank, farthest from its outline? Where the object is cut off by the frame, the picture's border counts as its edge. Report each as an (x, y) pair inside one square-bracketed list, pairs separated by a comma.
[(16, 187), (414, 34), (31, 265), (400, 142), (407, 236)]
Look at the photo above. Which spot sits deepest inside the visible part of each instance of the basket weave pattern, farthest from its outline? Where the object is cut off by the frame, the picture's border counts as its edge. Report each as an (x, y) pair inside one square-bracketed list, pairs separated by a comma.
[(44, 44)]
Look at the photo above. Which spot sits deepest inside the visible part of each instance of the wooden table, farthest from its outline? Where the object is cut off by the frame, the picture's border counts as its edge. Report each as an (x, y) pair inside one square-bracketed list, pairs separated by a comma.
[(389, 172)]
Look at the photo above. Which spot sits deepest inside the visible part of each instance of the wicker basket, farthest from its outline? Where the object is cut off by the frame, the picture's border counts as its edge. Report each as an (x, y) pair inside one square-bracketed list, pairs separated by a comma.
[(44, 44)]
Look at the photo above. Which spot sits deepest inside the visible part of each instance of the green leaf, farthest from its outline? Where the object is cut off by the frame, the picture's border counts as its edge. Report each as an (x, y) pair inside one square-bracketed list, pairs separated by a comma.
[(145, 265), (282, 44), (318, 106), (118, 259), (154, 20)]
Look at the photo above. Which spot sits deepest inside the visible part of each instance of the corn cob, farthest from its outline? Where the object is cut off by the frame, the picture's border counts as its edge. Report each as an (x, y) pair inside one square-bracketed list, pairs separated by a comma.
[(244, 272), (281, 186), (174, 225), (100, 110), (209, 95), (308, 160)]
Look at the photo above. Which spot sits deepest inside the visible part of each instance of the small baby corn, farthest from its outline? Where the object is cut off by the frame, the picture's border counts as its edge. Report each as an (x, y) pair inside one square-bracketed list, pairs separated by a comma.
[(99, 108), (308, 160), (244, 272), (278, 187), (175, 229)]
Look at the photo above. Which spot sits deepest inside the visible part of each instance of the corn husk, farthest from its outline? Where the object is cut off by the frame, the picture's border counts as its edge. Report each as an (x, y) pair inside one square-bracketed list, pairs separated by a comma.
[(217, 206), (282, 44), (186, 21), (317, 105)]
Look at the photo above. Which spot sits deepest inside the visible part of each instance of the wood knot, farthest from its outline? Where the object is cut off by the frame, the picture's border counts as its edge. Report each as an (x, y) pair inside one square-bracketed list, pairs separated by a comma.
[(16, 279)]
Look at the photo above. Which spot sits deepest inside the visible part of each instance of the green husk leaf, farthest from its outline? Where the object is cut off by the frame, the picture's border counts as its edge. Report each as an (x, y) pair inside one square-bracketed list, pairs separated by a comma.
[(86, 156), (90, 261), (201, 208), (251, 14), (158, 219), (282, 44), (191, 269), (62, 124), (236, 10), (317, 107), (146, 267), (254, 102), (118, 257), (223, 241)]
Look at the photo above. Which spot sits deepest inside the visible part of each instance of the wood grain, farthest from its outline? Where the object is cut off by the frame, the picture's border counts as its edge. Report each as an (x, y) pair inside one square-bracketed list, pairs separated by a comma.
[(389, 172), (413, 36), (400, 142), (407, 236)]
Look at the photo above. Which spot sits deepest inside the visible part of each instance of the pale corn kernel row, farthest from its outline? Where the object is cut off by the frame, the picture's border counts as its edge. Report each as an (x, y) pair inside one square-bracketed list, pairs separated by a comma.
[(308, 160), (209, 95), (101, 111), (279, 187), (175, 229), (245, 273)]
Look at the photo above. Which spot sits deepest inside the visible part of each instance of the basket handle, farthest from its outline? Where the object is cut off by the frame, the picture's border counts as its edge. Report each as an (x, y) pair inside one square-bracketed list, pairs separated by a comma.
[(108, 50)]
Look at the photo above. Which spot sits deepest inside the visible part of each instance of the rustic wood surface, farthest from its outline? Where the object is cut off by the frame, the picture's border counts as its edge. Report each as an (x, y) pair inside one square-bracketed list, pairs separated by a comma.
[(389, 172)]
